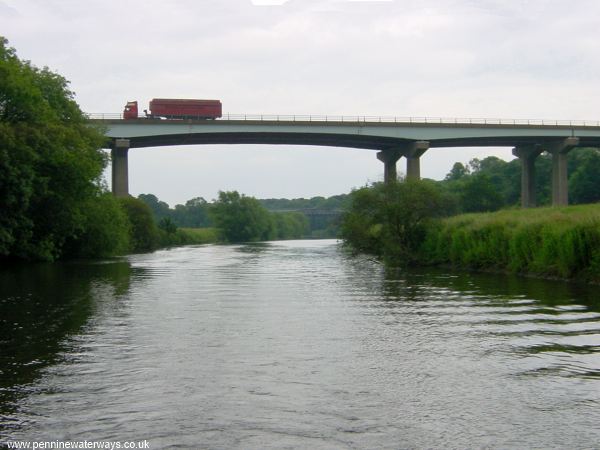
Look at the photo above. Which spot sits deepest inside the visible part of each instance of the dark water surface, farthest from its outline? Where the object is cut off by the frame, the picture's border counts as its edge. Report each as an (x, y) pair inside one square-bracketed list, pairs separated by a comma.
[(295, 345)]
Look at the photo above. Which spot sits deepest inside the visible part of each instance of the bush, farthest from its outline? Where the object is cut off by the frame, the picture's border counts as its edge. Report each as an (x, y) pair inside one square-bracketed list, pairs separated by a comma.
[(240, 218), (143, 231), (106, 230), (390, 220)]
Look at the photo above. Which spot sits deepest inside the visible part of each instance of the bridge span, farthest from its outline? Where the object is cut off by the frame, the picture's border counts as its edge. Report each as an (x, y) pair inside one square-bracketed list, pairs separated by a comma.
[(392, 138)]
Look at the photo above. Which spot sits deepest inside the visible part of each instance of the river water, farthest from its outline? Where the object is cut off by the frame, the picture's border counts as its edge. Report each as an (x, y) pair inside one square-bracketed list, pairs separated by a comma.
[(294, 345)]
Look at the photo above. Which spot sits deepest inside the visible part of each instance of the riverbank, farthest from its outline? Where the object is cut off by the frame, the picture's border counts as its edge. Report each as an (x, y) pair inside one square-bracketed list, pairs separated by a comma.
[(547, 242)]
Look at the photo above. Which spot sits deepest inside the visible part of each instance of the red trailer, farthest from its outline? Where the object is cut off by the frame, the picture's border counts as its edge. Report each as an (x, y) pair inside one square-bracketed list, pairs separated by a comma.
[(171, 108), (185, 109)]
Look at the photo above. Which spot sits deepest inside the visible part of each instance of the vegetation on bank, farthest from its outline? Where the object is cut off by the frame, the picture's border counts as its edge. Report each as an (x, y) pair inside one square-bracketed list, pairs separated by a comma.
[(390, 220), (52, 202), (407, 223), (553, 242)]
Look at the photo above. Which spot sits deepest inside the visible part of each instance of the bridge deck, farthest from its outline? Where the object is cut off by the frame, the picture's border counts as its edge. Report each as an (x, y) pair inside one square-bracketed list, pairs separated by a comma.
[(376, 135)]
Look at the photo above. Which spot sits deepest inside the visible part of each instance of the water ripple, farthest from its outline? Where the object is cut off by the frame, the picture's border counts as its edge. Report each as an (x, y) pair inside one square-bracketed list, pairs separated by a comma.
[(295, 345)]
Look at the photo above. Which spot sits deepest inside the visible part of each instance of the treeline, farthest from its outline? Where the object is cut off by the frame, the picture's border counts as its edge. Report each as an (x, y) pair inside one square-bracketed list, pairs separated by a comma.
[(491, 184), (236, 218), (333, 203), (288, 217)]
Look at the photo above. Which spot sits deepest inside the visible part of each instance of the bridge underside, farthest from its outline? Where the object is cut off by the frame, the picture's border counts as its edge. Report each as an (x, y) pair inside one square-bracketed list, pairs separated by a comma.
[(322, 139), (337, 140)]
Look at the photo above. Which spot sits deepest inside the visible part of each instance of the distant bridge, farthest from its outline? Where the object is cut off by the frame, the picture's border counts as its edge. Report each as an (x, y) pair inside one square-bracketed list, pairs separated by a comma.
[(392, 137)]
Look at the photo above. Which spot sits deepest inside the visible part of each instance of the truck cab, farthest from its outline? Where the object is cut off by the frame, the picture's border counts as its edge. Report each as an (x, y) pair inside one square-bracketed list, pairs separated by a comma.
[(130, 111)]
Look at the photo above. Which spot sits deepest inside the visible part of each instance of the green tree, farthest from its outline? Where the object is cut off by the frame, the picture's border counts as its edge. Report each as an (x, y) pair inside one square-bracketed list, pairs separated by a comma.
[(167, 225), (144, 232), (478, 194), (50, 161), (240, 218), (390, 219), (290, 225), (584, 182), (159, 209), (457, 172), (106, 230)]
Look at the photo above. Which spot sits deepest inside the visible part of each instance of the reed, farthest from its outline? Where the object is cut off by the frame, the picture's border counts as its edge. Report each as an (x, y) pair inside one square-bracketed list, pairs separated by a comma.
[(554, 242)]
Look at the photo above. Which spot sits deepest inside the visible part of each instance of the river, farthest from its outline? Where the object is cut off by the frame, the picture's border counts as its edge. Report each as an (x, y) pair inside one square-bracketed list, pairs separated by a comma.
[(294, 345)]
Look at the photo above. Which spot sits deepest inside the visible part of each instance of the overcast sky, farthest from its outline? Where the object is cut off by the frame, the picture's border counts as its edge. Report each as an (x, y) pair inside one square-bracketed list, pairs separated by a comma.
[(451, 58)]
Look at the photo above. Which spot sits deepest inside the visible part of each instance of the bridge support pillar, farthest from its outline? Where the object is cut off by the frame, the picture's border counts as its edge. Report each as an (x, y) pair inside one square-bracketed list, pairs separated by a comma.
[(560, 186), (527, 155), (120, 170), (389, 158), (413, 154), (412, 151)]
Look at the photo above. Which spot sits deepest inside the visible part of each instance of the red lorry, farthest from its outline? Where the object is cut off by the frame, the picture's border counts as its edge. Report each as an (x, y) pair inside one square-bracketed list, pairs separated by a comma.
[(172, 108)]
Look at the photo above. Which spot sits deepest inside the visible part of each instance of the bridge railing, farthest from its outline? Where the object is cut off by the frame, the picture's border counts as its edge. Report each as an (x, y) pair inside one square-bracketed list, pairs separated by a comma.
[(380, 119)]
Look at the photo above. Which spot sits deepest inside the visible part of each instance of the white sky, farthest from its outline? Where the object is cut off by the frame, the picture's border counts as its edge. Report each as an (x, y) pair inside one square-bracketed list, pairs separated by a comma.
[(451, 58)]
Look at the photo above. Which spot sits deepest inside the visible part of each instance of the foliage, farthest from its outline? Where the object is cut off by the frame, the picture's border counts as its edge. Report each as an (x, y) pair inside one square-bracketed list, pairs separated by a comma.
[(187, 236), (159, 209), (584, 182), (557, 242), (321, 224), (478, 194), (166, 224), (290, 225), (457, 172), (193, 214), (335, 202), (390, 220), (491, 184), (200, 235), (144, 232), (50, 162), (240, 218), (106, 230)]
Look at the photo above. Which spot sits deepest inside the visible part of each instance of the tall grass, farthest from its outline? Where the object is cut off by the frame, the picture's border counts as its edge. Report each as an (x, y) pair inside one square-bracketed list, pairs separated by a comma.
[(554, 242), (188, 236)]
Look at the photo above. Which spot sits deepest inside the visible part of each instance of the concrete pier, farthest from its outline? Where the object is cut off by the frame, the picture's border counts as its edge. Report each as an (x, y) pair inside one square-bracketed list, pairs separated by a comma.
[(389, 158), (560, 185), (120, 169), (527, 155), (412, 151)]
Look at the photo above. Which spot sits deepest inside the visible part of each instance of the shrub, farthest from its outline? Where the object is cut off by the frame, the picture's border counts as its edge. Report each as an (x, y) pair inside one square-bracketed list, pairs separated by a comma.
[(144, 233)]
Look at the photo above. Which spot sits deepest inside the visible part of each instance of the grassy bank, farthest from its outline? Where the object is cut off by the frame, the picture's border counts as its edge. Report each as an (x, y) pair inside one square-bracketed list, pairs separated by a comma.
[(550, 242), (188, 236)]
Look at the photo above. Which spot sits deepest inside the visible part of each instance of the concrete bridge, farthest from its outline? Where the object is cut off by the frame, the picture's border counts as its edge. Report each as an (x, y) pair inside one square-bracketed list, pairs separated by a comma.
[(393, 138)]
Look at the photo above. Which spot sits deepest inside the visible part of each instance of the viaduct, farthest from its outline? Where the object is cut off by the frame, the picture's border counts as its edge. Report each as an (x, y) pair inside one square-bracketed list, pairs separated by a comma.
[(392, 138)]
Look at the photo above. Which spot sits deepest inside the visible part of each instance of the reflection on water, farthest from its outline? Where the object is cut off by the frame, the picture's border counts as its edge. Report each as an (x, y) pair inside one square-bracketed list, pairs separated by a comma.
[(295, 345), (40, 305)]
